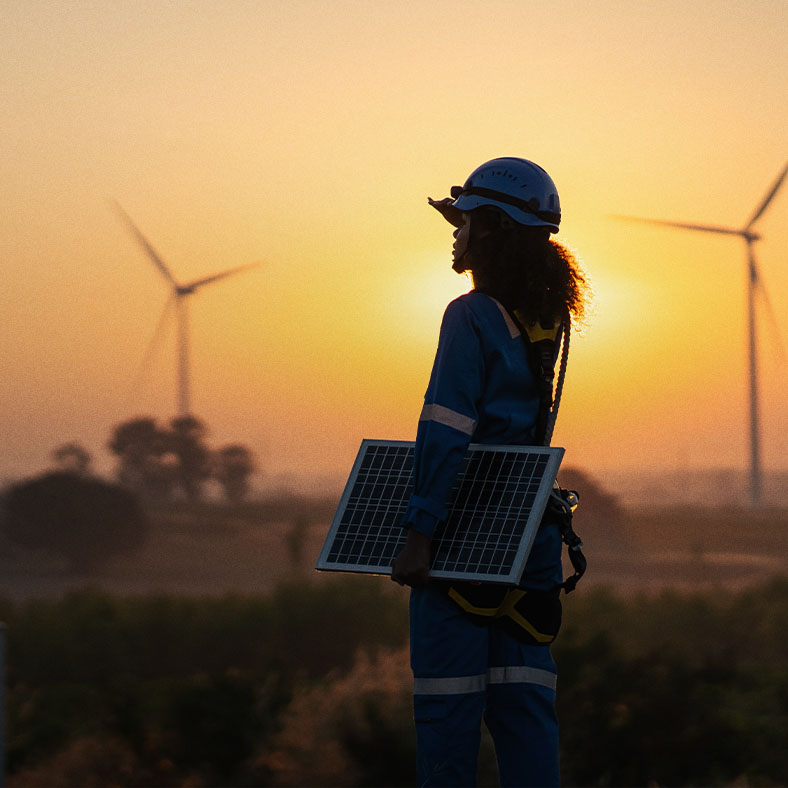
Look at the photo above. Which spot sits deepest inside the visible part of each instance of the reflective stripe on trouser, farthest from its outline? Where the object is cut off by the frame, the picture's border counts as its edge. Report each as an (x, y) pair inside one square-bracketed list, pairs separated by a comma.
[(463, 672)]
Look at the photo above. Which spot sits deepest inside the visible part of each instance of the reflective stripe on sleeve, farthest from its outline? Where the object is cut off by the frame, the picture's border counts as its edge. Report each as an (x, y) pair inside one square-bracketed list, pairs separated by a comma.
[(447, 417), (453, 685), (521, 674), (514, 332)]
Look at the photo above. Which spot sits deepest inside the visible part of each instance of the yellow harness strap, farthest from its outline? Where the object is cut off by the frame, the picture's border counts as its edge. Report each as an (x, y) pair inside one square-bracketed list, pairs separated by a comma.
[(508, 607), (537, 332)]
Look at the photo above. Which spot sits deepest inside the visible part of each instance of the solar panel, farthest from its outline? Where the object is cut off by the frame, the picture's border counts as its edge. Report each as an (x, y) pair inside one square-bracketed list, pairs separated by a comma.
[(495, 507)]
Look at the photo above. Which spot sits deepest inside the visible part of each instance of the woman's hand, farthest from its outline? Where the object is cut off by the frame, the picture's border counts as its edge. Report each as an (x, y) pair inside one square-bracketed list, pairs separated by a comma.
[(445, 208), (412, 565)]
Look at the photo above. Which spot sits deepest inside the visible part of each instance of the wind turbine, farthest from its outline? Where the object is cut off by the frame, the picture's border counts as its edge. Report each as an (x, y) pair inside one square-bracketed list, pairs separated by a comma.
[(754, 283), (179, 295)]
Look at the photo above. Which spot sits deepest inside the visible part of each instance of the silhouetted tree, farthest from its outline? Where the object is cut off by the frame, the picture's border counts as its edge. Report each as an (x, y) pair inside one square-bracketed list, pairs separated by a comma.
[(84, 519), (187, 442), (234, 464), (596, 503), (156, 461), (599, 519), (147, 463), (72, 458)]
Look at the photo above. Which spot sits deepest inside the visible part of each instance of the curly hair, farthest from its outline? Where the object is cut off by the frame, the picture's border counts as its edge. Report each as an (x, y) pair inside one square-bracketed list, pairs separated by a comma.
[(524, 269)]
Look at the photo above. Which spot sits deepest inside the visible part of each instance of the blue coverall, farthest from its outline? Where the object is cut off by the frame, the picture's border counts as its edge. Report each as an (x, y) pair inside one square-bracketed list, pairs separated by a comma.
[(481, 390)]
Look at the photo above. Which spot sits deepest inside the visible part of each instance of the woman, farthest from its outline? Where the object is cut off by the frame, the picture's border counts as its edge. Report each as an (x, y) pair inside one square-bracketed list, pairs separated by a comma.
[(489, 385)]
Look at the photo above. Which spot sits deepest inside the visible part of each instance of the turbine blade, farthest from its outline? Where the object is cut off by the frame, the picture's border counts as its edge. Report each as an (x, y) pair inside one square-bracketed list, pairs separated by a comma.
[(192, 286), (154, 344), (760, 289), (706, 228), (145, 244), (769, 197)]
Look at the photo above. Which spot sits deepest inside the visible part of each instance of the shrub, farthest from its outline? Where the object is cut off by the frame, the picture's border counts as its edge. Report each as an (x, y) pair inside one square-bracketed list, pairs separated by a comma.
[(355, 729), (82, 519)]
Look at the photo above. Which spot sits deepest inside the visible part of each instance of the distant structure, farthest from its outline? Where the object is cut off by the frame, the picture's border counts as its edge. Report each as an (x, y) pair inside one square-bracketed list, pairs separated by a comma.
[(178, 295), (754, 283)]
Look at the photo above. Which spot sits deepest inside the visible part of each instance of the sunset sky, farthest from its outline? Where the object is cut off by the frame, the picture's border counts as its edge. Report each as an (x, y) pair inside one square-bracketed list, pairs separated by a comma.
[(307, 135)]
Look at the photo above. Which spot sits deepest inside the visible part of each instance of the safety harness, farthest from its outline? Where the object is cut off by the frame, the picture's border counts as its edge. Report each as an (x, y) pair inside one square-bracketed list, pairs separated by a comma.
[(530, 615), (541, 344)]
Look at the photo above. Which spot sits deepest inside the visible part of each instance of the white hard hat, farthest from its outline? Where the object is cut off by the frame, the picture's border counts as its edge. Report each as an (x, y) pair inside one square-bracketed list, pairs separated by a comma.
[(518, 187)]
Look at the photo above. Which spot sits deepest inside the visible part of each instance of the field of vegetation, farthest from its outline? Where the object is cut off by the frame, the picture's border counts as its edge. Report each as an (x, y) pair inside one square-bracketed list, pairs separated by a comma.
[(309, 686), (213, 655)]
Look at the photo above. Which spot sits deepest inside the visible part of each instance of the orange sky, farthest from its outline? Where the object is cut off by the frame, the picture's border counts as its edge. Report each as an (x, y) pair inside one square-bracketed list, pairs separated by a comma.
[(308, 135)]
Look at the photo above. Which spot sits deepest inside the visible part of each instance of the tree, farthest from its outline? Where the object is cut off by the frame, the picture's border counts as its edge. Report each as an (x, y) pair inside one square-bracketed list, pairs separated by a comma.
[(234, 464), (72, 458), (599, 519), (187, 442), (83, 519), (158, 461), (596, 503), (146, 458)]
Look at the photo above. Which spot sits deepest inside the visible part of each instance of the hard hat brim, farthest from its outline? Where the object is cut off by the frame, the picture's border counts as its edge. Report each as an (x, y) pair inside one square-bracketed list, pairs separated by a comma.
[(468, 202), (447, 210)]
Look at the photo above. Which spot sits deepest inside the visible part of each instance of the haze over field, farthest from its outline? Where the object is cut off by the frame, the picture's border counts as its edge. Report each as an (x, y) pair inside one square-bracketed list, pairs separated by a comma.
[(307, 135)]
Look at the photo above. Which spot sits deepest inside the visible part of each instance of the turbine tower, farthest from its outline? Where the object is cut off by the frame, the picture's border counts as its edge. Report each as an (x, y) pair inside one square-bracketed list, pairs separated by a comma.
[(754, 284), (179, 294)]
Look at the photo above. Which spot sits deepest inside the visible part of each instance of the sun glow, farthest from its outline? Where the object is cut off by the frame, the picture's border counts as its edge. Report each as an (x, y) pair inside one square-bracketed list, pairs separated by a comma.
[(214, 133), (426, 292), (614, 302)]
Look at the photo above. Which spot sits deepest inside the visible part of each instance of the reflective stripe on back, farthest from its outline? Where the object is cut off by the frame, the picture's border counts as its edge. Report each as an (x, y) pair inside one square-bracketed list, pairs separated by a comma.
[(447, 417)]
